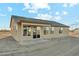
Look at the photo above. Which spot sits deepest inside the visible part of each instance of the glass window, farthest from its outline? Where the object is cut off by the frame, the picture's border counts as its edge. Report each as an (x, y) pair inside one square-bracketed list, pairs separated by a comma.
[(29, 31), (60, 30), (15, 27), (46, 30), (52, 30), (38, 30), (26, 31)]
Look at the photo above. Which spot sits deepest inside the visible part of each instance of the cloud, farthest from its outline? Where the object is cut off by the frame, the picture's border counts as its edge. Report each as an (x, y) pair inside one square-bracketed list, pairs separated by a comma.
[(10, 9), (3, 28), (65, 12), (32, 11), (44, 16), (65, 5), (58, 18), (69, 4), (48, 17), (40, 5), (73, 4), (2, 14), (35, 6), (49, 1), (8, 28), (26, 5), (57, 13)]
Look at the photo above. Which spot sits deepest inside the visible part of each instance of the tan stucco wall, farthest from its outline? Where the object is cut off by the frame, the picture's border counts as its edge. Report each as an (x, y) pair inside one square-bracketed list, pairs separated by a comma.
[(13, 32), (54, 35), (19, 34)]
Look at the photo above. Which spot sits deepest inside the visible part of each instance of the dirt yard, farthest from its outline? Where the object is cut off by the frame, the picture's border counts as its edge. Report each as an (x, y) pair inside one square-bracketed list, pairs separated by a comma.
[(66, 46), (4, 34)]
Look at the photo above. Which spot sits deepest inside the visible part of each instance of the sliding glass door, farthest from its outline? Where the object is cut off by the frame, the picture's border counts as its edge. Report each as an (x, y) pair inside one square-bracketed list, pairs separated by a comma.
[(36, 32)]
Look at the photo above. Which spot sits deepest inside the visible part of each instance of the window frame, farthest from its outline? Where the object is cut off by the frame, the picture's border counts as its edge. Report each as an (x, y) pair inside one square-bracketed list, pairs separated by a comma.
[(60, 30), (28, 29), (52, 30), (46, 30), (15, 27)]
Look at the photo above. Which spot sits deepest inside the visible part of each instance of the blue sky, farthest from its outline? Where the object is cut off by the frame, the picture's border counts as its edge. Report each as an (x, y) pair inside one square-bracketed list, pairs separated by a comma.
[(61, 12)]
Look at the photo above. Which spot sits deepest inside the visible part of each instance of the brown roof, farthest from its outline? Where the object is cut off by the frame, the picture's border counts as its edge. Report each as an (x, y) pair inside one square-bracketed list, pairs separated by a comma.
[(33, 20)]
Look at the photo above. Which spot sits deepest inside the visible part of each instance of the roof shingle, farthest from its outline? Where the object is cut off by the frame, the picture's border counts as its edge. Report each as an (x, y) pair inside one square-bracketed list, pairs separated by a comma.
[(53, 23)]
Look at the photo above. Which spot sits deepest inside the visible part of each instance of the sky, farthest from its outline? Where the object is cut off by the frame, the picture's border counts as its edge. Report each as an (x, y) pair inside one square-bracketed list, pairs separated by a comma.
[(65, 13)]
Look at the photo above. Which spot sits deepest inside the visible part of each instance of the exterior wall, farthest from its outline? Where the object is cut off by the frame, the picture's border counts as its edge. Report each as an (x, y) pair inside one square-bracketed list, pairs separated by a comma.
[(14, 31), (30, 37), (54, 35), (18, 34)]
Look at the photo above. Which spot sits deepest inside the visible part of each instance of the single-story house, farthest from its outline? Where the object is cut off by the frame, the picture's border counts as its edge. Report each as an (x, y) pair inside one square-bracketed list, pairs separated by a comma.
[(23, 28)]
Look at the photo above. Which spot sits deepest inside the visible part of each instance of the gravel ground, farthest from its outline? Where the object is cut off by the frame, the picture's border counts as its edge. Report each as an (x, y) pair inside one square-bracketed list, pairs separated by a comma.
[(67, 46)]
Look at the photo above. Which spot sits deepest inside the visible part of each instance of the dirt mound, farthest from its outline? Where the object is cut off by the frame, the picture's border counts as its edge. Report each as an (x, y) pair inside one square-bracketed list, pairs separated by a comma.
[(4, 33)]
